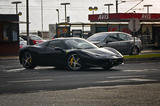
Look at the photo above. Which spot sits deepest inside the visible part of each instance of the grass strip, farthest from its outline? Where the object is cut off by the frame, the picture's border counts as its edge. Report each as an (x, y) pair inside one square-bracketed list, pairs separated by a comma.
[(142, 56)]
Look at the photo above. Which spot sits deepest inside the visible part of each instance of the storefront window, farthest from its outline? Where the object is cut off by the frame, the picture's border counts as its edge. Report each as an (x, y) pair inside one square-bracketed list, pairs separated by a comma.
[(9, 32)]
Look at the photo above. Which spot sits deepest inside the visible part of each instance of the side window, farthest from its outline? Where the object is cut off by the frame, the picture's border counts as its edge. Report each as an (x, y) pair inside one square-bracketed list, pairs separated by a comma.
[(123, 37), (112, 38), (56, 43)]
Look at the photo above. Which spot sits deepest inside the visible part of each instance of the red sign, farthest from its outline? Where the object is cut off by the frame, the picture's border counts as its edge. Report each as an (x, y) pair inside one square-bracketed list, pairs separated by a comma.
[(123, 17)]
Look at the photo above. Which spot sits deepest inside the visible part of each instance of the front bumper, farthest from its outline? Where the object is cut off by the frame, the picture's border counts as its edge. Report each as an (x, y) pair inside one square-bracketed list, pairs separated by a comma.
[(104, 62)]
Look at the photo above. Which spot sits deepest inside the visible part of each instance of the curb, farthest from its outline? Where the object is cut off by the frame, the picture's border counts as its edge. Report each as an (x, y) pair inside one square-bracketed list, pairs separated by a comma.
[(9, 57), (141, 59)]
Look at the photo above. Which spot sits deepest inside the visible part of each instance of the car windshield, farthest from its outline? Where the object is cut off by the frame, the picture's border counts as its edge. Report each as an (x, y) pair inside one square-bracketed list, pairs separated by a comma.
[(97, 37), (79, 44), (35, 37), (21, 39)]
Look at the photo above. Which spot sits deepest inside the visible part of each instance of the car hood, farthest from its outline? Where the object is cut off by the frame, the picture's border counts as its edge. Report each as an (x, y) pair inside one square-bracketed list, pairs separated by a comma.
[(101, 52), (94, 42)]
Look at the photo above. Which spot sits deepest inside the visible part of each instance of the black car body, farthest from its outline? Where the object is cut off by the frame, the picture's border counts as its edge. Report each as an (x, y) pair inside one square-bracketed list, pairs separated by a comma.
[(73, 53), (123, 42)]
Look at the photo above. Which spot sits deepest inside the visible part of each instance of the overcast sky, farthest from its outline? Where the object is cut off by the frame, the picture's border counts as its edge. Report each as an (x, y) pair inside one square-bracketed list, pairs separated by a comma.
[(78, 10)]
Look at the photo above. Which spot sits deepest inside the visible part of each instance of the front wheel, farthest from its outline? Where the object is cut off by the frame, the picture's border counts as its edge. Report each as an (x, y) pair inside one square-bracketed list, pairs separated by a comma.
[(27, 60), (74, 62), (134, 51), (107, 67)]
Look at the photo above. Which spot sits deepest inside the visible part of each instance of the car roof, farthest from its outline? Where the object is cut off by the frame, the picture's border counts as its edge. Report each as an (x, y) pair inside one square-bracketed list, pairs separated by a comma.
[(66, 38), (29, 35), (107, 33), (112, 32)]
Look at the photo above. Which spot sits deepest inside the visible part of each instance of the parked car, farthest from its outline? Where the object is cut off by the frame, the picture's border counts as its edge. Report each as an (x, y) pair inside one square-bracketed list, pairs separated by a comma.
[(123, 42), (72, 53), (33, 39), (22, 42)]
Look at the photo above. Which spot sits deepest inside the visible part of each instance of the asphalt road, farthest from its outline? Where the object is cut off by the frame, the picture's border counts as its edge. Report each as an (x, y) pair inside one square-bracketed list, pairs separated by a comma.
[(15, 79)]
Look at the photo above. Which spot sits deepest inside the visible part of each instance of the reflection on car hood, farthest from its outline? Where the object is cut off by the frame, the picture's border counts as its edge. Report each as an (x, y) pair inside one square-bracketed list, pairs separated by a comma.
[(95, 42), (100, 52)]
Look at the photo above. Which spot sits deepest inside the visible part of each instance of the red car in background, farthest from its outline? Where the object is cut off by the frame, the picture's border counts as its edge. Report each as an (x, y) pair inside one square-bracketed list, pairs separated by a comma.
[(33, 39)]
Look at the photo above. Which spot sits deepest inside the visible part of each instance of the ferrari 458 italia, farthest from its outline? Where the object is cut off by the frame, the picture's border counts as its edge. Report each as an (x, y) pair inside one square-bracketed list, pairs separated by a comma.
[(71, 53)]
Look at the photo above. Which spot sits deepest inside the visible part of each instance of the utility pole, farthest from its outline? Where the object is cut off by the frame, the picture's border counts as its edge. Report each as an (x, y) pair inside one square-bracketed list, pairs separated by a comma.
[(27, 20), (42, 17), (118, 4), (58, 14), (65, 10)]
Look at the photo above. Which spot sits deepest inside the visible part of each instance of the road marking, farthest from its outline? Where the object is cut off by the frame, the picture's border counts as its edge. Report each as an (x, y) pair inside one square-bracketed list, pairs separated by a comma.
[(127, 76), (15, 70), (127, 80), (141, 70), (21, 69), (133, 70), (104, 87), (26, 81)]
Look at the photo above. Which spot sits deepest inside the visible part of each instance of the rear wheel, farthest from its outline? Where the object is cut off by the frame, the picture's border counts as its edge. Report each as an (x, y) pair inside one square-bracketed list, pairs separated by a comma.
[(27, 60), (74, 62)]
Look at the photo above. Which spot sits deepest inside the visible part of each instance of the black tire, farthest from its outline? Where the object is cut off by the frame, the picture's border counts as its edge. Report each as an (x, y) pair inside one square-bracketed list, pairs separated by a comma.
[(74, 62), (134, 51), (27, 60), (107, 67)]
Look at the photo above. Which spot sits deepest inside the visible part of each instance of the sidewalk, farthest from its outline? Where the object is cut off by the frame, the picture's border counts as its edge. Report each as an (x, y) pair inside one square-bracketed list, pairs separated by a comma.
[(8, 57), (150, 52)]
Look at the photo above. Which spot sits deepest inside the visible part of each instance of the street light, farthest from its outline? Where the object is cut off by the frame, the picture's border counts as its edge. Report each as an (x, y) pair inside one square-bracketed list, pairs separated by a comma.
[(108, 7), (93, 9), (16, 2), (147, 8), (65, 10), (118, 4), (58, 14)]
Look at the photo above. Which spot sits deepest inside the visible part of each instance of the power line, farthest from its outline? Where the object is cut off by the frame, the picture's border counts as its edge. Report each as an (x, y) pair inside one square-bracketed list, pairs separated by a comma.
[(134, 6)]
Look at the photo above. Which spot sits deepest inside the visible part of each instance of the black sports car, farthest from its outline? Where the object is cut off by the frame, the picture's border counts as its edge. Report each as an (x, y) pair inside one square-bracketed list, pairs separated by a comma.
[(72, 53)]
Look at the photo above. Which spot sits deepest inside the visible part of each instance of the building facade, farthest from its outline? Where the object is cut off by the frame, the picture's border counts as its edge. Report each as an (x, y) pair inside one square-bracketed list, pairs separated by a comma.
[(149, 25), (9, 34)]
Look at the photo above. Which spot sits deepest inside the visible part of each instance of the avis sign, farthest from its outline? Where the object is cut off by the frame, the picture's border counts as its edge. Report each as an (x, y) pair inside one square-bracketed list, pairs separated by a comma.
[(103, 17)]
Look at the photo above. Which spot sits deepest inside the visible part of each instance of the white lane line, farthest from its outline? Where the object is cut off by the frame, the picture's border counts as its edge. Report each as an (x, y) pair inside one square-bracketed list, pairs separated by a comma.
[(21, 69), (127, 76), (139, 79), (15, 70), (126, 80), (140, 70), (133, 70), (26, 81)]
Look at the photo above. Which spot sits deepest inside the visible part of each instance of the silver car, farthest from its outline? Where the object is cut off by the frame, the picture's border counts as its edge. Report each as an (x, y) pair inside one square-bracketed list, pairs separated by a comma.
[(123, 42), (22, 42)]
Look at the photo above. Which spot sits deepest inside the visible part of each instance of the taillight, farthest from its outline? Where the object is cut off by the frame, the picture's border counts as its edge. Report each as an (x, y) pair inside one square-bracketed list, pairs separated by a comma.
[(35, 42), (20, 46)]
